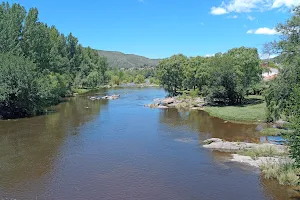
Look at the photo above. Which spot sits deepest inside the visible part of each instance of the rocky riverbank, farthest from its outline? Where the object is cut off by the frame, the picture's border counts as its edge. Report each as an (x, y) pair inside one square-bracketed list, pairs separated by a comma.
[(179, 103), (249, 153)]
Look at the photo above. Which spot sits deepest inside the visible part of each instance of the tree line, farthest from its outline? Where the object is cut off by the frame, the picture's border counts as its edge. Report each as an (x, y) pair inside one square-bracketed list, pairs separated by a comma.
[(39, 65), (224, 77)]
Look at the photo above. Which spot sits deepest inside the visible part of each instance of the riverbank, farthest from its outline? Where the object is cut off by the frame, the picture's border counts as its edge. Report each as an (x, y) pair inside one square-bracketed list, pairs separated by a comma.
[(253, 111), (76, 91), (272, 159)]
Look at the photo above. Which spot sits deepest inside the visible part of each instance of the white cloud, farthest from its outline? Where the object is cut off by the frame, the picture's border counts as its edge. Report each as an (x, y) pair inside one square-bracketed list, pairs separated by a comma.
[(263, 31), (242, 6), (209, 55), (218, 11), (287, 3), (234, 16), (251, 18)]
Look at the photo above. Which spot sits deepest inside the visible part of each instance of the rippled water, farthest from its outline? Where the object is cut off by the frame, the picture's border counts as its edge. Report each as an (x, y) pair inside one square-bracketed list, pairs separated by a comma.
[(123, 150)]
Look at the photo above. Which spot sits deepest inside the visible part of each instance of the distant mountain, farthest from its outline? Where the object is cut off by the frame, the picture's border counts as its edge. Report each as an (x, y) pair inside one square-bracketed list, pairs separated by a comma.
[(121, 60)]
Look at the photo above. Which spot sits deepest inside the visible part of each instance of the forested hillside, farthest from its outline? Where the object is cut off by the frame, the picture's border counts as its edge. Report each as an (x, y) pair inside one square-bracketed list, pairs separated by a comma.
[(121, 60)]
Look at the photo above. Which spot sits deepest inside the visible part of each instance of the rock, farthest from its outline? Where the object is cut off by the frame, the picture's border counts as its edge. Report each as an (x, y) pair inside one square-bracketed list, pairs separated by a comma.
[(156, 100), (255, 163), (279, 124), (259, 128), (162, 107), (168, 101), (112, 97), (92, 98), (219, 144)]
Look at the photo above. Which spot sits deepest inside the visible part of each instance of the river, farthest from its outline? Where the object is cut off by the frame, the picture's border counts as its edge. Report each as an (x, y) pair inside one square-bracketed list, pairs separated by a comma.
[(122, 150)]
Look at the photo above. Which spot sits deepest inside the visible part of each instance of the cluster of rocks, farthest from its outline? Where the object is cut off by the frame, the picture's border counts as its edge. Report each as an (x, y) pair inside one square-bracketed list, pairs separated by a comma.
[(178, 102), (112, 97), (222, 145), (225, 146)]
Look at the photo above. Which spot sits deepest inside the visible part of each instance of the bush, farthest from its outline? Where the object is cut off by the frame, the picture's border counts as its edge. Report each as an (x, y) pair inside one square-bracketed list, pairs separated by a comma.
[(139, 79), (21, 92), (115, 80), (153, 80)]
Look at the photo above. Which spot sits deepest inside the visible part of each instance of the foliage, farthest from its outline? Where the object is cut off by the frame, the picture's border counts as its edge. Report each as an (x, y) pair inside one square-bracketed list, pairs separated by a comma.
[(154, 80), (115, 80), (60, 62), (284, 171), (139, 79), (224, 77), (283, 97), (21, 95), (170, 73)]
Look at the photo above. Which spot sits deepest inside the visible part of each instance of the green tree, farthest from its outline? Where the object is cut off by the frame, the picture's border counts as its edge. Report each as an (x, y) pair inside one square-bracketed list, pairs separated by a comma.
[(170, 73), (19, 90), (11, 27), (139, 79), (36, 41)]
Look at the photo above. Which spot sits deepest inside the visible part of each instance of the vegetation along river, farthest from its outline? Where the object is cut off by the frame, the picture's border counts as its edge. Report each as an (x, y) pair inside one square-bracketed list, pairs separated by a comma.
[(119, 149)]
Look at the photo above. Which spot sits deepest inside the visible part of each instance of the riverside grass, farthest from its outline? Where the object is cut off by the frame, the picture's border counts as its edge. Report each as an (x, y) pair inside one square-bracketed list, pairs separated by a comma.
[(284, 171), (265, 151), (274, 132), (251, 112)]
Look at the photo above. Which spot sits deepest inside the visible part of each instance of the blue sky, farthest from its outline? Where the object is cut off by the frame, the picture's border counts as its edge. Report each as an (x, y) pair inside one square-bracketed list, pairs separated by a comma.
[(161, 28)]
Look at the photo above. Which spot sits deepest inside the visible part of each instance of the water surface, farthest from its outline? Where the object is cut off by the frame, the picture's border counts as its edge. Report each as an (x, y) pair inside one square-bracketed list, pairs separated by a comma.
[(122, 150)]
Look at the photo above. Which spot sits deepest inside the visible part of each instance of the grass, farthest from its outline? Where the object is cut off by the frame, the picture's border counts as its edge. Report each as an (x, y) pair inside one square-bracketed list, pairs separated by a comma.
[(266, 151), (80, 90), (274, 132), (253, 111), (284, 171)]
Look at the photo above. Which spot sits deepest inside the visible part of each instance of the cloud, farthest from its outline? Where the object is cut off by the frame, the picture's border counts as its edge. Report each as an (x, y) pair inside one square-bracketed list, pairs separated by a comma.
[(287, 3), (218, 11), (263, 31), (209, 55), (247, 6), (251, 18)]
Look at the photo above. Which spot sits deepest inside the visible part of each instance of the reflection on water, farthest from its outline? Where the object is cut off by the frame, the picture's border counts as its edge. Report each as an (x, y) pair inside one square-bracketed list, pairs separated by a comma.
[(28, 147), (122, 150), (209, 127)]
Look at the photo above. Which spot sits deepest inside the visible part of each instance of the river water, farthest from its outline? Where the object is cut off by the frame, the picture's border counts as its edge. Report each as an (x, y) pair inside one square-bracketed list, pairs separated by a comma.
[(122, 150)]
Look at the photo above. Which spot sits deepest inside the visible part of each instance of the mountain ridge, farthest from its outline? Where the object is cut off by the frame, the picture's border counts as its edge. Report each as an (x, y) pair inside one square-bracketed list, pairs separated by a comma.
[(123, 60)]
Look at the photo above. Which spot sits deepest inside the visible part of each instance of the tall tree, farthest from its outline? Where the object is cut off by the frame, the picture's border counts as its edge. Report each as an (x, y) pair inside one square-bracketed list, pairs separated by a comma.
[(11, 25)]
